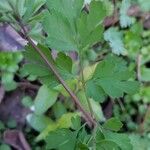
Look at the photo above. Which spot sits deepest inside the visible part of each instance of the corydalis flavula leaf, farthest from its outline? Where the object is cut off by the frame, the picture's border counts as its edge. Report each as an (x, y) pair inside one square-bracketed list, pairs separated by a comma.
[(113, 124), (69, 28), (114, 37), (36, 66), (25, 9), (125, 20), (112, 78)]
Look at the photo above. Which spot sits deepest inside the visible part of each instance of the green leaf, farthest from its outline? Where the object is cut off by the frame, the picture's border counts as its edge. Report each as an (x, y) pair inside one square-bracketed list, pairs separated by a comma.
[(76, 122), (7, 77), (27, 101), (113, 124), (99, 135), (9, 62), (97, 111), (83, 136), (87, 37), (59, 109), (65, 140), (94, 91), (70, 29), (69, 9), (32, 56), (64, 64), (89, 26), (65, 121), (21, 7), (36, 31), (82, 146), (107, 145), (8, 82), (60, 24), (51, 127), (116, 88), (82, 97), (4, 6), (112, 76), (122, 140), (133, 39), (36, 66), (88, 71), (139, 143), (145, 74), (35, 69), (72, 85), (32, 6), (38, 122), (114, 37), (9, 86), (37, 5), (96, 14), (45, 98), (60, 34), (125, 20)]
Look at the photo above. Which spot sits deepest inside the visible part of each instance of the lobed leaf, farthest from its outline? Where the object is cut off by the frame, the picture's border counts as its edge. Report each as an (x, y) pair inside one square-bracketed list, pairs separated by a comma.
[(122, 140), (111, 77), (70, 29), (36, 66), (125, 20), (113, 124), (114, 37)]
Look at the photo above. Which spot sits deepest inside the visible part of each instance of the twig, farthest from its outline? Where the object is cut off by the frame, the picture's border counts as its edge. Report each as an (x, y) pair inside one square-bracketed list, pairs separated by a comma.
[(121, 105), (2, 93), (28, 85), (87, 116), (145, 119)]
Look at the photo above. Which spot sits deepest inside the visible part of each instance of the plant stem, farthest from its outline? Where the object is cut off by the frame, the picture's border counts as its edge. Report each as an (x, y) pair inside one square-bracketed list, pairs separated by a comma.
[(87, 116), (83, 84)]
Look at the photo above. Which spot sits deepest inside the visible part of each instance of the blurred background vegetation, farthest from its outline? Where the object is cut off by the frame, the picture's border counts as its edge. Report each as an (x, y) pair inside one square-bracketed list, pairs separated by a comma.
[(130, 29)]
